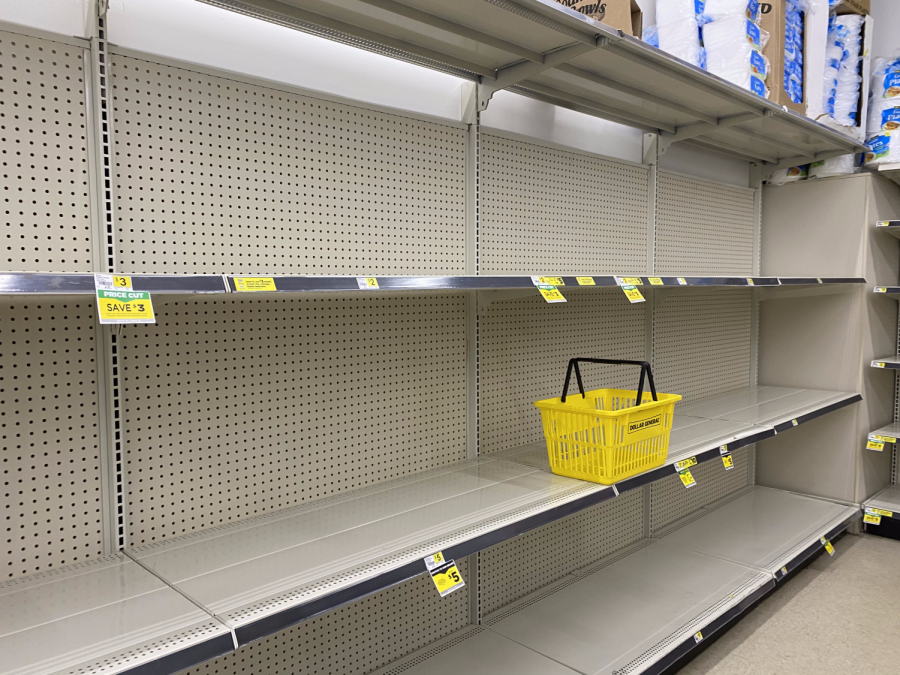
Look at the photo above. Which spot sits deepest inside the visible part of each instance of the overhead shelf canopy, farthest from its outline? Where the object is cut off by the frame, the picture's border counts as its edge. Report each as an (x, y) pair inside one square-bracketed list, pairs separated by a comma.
[(544, 50), (25, 283)]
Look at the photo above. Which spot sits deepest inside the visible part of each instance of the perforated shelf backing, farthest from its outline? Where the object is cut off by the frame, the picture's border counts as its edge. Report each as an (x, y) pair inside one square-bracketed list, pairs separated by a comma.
[(549, 209), (703, 227), (214, 175), (49, 442), (702, 342), (524, 564), (234, 407), (355, 639), (525, 344), (671, 500), (43, 146)]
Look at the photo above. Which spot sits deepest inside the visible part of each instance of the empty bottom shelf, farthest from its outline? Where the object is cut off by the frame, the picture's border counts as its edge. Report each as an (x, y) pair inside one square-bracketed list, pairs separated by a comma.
[(886, 500), (645, 607)]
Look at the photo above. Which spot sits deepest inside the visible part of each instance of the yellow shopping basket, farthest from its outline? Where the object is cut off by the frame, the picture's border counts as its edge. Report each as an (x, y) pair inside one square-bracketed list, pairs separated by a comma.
[(603, 436)]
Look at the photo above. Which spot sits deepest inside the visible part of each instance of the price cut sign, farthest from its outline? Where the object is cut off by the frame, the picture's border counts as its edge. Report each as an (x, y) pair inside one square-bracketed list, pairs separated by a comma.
[(118, 302)]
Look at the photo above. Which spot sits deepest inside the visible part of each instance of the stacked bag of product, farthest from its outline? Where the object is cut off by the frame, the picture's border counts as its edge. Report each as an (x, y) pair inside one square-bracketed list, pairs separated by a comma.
[(734, 42), (793, 48), (677, 30), (883, 132), (842, 66)]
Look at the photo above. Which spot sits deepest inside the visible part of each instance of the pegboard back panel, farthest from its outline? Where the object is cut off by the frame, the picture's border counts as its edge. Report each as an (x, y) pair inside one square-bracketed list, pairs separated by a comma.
[(215, 175), (43, 146), (49, 435), (702, 342), (355, 639), (703, 227), (525, 345), (548, 209), (235, 407), (522, 565), (670, 500)]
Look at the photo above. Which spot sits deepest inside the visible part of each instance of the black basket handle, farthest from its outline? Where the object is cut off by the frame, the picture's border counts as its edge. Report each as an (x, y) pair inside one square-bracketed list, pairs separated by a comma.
[(645, 368)]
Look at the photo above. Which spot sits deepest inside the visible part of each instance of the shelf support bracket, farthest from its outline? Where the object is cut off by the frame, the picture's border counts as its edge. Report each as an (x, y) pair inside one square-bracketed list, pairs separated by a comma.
[(518, 72), (697, 129)]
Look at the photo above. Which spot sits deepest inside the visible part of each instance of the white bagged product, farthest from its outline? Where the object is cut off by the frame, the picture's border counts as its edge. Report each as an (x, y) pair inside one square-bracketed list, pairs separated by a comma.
[(792, 175), (733, 52), (884, 148), (845, 32), (836, 166), (682, 40), (721, 9), (677, 30)]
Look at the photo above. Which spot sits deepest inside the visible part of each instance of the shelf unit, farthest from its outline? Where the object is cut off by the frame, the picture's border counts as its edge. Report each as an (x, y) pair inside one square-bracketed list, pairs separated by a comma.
[(259, 472), (651, 604), (546, 51), (74, 284), (890, 171)]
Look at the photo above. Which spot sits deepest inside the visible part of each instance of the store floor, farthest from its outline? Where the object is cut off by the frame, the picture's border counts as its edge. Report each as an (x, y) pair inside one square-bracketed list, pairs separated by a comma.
[(838, 615)]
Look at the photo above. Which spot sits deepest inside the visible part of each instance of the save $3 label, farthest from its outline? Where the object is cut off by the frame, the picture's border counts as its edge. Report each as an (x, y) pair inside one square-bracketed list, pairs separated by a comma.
[(125, 306)]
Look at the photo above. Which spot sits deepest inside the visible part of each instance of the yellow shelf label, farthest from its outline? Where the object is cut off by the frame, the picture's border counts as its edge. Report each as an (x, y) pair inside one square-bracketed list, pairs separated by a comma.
[(685, 464), (698, 636), (878, 364), (550, 293), (586, 281), (447, 578), (367, 283), (552, 281), (251, 284), (886, 439), (749, 282), (880, 512), (784, 571), (795, 422), (687, 478), (655, 281), (875, 445), (827, 545), (125, 307), (872, 519), (728, 462), (880, 289), (633, 294), (631, 281)]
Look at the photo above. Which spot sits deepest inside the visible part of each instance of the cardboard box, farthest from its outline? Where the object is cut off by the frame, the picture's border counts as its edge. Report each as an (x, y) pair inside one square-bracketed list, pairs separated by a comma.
[(624, 15), (773, 20), (861, 7)]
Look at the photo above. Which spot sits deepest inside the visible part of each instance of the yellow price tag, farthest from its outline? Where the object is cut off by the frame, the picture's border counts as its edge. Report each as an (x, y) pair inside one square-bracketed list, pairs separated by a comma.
[(552, 281), (827, 545), (880, 289), (586, 281), (875, 445), (125, 307), (698, 636), (633, 294), (250, 284), (784, 571), (880, 512), (447, 578), (878, 364), (687, 478), (685, 464), (122, 283), (550, 293), (749, 282), (886, 439), (631, 281), (655, 281), (367, 283), (872, 518), (728, 462), (794, 423)]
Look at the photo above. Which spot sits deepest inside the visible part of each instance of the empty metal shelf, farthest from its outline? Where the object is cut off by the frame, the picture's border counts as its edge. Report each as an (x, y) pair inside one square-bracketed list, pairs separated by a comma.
[(886, 500), (636, 611), (760, 527), (109, 613), (888, 362), (888, 434), (264, 574)]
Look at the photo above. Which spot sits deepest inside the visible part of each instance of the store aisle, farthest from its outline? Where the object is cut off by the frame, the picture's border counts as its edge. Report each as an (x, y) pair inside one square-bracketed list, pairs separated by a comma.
[(839, 615)]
